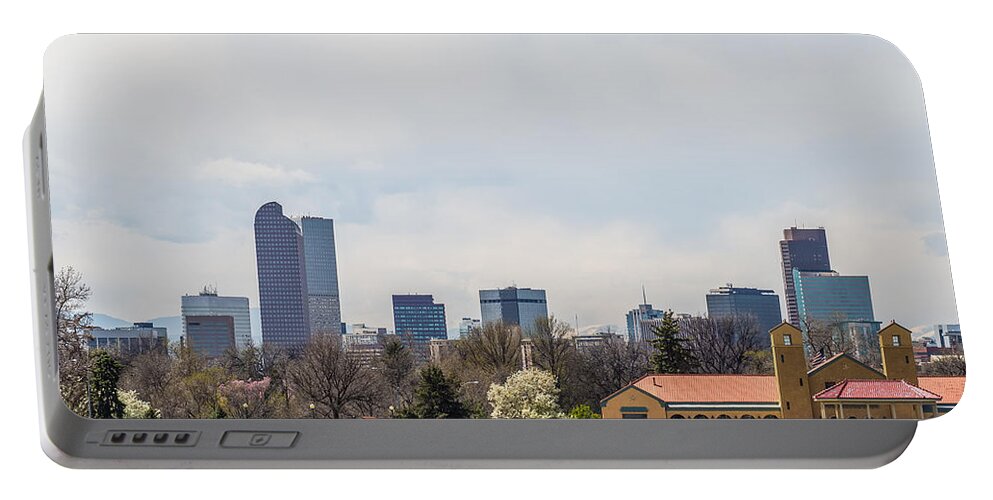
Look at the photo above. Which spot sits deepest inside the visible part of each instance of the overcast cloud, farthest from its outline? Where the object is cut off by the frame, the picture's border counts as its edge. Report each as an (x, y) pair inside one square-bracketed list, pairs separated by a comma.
[(585, 165)]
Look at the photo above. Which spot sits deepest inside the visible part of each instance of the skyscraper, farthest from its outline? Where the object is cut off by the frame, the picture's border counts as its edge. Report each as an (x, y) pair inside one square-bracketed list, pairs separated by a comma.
[(640, 320), (321, 270), (842, 303), (513, 306), (467, 325), (209, 303), (763, 305), (417, 320), (279, 256), (804, 250)]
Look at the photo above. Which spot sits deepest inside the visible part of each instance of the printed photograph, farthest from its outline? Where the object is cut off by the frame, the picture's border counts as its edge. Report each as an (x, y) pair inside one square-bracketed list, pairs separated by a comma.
[(497, 226)]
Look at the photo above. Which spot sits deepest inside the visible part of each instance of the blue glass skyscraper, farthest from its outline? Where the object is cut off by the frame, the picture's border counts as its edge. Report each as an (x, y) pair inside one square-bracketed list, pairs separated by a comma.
[(279, 257), (417, 320), (321, 270), (513, 306)]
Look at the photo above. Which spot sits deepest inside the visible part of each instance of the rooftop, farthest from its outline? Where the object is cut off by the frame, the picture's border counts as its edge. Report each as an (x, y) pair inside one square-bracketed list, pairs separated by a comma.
[(875, 389)]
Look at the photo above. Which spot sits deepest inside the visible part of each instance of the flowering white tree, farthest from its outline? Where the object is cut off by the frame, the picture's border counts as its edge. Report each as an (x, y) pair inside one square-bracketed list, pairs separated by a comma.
[(526, 394), (135, 407)]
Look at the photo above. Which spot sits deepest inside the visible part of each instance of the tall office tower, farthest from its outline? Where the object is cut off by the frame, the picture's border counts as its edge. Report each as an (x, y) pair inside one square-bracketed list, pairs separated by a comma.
[(467, 325), (282, 280), (842, 303), (513, 306), (763, 305), (321, 269), (209, 336), (417, 320), (209, 303), (806, 250), (948, 336)]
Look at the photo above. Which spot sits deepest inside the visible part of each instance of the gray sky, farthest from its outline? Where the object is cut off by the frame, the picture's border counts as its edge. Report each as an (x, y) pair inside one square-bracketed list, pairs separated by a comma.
[(585, 165)]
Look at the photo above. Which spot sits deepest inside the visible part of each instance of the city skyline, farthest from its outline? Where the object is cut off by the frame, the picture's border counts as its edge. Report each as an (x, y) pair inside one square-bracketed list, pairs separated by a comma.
[(520, 169)]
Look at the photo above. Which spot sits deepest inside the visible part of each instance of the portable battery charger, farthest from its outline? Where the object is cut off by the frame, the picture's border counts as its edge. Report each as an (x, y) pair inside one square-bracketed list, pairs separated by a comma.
[(486, 251)]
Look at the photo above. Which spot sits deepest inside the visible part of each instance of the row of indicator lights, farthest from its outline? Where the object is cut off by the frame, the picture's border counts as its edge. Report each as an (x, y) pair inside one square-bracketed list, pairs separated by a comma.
[(158, 438)]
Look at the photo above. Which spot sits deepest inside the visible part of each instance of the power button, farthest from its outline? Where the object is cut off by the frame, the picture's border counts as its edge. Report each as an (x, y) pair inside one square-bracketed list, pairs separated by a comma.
[(260, 439)]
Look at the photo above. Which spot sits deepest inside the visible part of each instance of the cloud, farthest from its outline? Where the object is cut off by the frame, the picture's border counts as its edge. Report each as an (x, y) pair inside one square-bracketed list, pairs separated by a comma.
[(241, 173)]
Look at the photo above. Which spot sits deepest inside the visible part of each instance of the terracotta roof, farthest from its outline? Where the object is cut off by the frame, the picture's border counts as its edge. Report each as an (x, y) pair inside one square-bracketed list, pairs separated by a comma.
[(706, 388), (874, 389), (950, 388)]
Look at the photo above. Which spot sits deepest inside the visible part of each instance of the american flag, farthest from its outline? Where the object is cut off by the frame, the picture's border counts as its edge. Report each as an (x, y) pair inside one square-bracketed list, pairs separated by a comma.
[(818, 358)]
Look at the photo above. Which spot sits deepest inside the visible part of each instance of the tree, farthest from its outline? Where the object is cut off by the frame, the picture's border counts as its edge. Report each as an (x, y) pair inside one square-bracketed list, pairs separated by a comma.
[(948, 365), (671, 352), (396, 367), (436, 396), (528, 393), (72, 327), (246, 399), (495, 349), (134, 407), (722, 344), (551, 348), (834, 335), (338, 385), (582, 412), (105, 371), (603, 368)]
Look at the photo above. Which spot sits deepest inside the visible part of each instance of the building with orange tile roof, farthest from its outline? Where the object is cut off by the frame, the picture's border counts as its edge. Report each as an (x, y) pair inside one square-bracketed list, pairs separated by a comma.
[(839, 387)]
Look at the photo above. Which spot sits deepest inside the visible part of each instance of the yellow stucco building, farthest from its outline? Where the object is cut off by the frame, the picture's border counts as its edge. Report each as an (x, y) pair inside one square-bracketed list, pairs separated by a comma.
[(838, 387)]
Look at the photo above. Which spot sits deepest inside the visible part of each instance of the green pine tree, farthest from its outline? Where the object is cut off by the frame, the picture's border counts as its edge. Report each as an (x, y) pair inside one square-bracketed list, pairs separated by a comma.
[(671, 355), (105, 372), (436, 396)]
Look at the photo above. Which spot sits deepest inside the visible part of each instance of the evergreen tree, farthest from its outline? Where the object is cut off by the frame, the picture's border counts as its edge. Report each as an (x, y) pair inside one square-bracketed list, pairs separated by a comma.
[(436, 396), (105, 372), (671, 354)]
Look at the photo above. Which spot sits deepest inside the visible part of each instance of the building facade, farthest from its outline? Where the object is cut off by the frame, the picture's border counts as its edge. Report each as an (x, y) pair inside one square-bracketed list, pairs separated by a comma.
[(467, 325), (209, 336), (843, 303), (514, 306), (417, 319), (209, 303), (279, 256), (804, 250), (946, 336), (128, 340), (839, 387), (640, 321), (762, 305), (321, 271)]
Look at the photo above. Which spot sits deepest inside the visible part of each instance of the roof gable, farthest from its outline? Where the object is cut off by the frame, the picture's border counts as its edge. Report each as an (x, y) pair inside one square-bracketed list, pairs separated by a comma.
[(859, 389), (837, 358), (711, 388)]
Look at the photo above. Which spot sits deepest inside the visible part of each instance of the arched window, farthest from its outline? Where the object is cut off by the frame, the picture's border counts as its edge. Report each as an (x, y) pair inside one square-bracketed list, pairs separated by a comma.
[(748, 416), (851, 417), (770, 416), (723, 416), (677, 416), (701, 416)]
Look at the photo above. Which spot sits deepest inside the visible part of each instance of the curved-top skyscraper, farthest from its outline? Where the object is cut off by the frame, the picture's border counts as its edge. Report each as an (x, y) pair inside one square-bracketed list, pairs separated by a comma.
[(279, 257)]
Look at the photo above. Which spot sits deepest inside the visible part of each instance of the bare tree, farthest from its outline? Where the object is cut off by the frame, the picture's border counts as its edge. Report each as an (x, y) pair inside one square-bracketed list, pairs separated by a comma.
[(338, 385), (396, 367), (722, 344), (948, 365), (552, 349), (73, 324), (494, 349), (603, 368), (835, 335)]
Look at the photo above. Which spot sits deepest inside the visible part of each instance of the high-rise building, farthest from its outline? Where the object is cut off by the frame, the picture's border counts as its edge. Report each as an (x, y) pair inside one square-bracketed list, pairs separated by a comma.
[(417, 319), (209, 303), (279, 256), (804, 250), (321, 270), (467, 325), (209, 336), (513, 306), (762, 305), (844, 303), (641, 318), (128, 340), (946, 336)]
